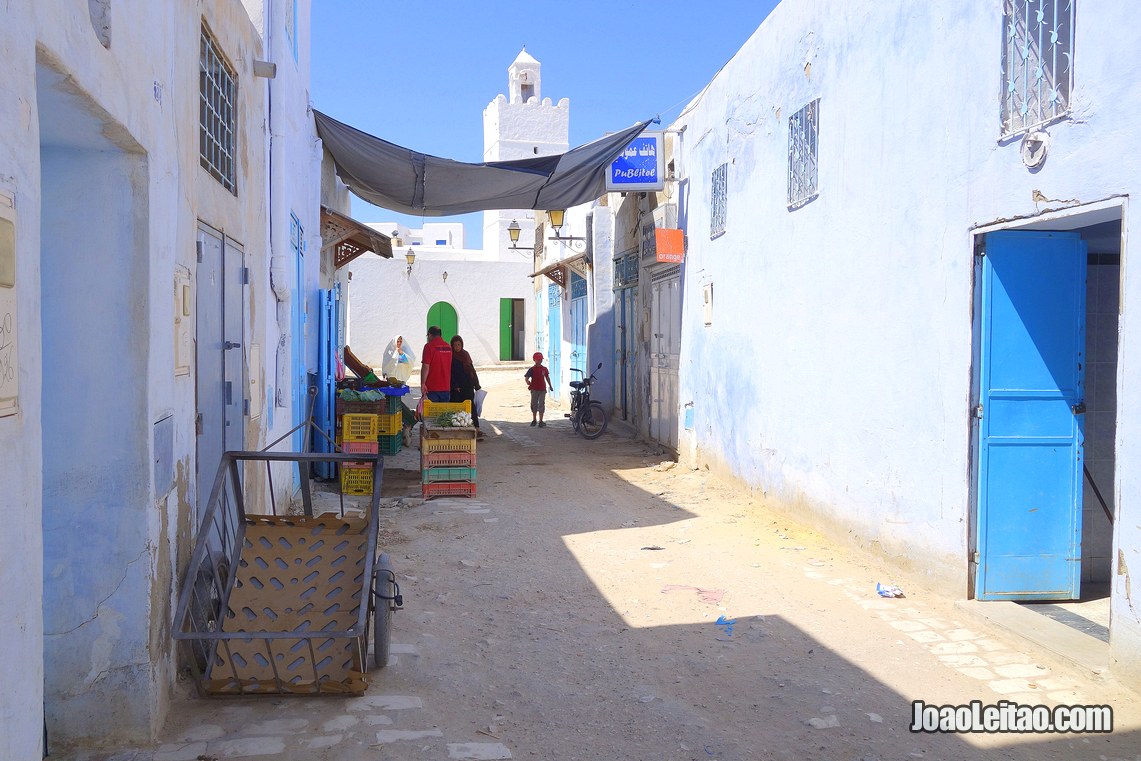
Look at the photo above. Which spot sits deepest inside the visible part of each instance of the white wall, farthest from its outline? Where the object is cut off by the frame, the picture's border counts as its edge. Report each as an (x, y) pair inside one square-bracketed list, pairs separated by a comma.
[(101, 155), (836, 375), (385, 301)]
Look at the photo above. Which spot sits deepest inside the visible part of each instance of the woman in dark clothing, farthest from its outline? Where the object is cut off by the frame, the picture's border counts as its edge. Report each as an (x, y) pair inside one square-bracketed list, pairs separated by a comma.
[(465, 382)]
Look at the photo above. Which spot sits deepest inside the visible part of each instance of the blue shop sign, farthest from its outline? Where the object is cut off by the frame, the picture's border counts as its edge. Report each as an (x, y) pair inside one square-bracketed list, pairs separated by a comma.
[(641, 166)]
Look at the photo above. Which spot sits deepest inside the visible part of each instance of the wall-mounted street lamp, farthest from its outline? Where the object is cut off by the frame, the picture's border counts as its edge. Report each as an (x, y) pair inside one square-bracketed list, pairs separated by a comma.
[(411, 259), (557, 217), (445, 276), (513, 231)]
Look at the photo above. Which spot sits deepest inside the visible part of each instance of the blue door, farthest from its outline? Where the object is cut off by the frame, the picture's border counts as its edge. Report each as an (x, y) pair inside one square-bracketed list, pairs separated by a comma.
[(1029, 423), (555, 341), (323, 413), (578, 312)]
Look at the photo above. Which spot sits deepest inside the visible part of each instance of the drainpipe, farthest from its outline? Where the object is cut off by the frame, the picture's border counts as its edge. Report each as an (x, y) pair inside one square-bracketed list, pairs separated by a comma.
[(280, 273)]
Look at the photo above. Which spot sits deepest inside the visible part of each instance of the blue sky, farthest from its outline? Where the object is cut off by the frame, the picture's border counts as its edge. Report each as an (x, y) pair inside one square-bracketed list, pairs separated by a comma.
[(420, 72)]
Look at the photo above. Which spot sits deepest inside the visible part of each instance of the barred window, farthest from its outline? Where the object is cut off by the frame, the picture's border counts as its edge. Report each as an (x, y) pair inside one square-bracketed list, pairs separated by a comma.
[(217, 116), (718, 201), (803, 144), (1037, 62)]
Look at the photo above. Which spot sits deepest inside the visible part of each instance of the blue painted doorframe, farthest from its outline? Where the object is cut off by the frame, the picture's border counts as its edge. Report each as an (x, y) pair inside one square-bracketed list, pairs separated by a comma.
[(578, 310), (1029, 424), (555, 341)]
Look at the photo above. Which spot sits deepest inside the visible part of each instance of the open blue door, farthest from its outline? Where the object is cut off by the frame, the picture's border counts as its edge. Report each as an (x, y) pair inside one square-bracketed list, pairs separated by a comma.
[(578, 314), (323, 412), (1029, 419)]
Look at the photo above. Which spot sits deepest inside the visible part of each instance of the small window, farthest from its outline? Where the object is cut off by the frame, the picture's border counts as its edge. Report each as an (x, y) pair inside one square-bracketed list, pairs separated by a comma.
[(441, 242), (218, 112), (1037, 62), (718, 201), (803, 144)]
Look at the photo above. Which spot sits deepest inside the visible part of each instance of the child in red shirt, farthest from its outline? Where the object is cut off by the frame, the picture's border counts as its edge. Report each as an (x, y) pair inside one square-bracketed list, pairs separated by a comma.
[(538, 381)]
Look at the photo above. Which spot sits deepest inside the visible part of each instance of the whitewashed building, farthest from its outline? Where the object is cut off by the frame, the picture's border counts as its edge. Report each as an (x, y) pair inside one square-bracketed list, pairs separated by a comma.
[(484, 295), (906, 305), (154, 270)]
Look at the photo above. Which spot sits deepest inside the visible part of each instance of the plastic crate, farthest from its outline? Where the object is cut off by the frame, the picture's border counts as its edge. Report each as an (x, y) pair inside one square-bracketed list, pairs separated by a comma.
[(433, 410), (447, 445), (387, 425), (448, 488), (436, 475), (342, 407), (391, 444), (359, 427), (356, 480), (361, 447), (447, 432), (447, 460)]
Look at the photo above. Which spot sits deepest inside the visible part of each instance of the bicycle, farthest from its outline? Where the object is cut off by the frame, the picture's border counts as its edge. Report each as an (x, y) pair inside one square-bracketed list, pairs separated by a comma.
[(587, 416)]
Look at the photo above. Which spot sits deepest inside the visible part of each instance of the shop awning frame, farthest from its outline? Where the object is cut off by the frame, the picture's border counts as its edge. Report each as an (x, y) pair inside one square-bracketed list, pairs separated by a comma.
[(557, 272), (349, 238)]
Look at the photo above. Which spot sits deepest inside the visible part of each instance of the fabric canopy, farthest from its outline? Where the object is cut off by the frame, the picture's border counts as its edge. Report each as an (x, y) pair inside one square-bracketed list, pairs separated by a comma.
[(396, 178)]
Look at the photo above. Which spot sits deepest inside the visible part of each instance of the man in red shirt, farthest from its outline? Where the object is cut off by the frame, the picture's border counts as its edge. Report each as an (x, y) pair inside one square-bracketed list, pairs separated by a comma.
[(436, 372)]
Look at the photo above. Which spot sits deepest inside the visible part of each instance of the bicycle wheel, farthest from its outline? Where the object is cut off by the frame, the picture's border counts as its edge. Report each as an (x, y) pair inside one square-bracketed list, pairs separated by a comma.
[(592, 420), (575, 417), (384, 597)]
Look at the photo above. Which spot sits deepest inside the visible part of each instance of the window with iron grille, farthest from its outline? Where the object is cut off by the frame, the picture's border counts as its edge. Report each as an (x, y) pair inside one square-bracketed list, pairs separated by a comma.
[(578, 286), (718, 201), (626, 270), (1037, 62), (803, 144), (218, 86)]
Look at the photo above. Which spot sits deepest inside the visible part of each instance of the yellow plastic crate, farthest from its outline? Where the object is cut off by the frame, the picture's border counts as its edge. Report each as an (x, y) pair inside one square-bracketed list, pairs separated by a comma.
[(356, 481), (447, 445), (359, 427), (433, 410), (389, 424)]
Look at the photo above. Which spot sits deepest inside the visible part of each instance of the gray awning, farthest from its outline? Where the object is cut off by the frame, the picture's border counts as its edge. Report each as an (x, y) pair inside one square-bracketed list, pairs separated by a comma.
[(386, 175)]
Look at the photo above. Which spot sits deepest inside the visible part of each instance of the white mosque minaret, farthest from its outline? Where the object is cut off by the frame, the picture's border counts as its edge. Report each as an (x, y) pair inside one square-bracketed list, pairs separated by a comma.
[(520, 125)]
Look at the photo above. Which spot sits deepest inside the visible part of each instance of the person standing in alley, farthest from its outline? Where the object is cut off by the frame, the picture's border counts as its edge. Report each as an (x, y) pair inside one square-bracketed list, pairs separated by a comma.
[(465, 381), (538, 381), (436, 371)]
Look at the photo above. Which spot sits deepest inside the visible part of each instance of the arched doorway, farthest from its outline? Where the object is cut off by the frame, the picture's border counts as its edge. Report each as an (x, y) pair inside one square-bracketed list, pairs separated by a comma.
[(443, 314)]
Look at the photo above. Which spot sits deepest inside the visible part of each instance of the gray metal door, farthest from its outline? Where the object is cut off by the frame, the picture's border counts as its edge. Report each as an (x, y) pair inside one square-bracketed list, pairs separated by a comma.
[(219, 364), (665, 355)]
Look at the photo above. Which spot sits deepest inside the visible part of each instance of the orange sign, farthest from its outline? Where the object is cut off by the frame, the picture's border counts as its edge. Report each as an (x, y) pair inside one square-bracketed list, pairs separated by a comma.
[(670, 245)]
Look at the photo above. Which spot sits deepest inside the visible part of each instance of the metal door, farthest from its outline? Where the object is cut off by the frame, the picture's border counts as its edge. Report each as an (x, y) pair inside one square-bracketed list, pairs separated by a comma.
[(219, 366), (578, 314), (620, 337), (1029, 426), (665, 355), (555, 342)]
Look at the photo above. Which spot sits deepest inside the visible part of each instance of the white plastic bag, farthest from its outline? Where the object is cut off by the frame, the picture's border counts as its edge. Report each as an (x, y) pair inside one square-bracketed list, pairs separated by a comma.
[(480, 395)]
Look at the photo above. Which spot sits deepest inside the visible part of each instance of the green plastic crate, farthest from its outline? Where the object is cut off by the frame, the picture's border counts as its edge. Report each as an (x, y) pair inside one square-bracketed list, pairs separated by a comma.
[(436, 475)]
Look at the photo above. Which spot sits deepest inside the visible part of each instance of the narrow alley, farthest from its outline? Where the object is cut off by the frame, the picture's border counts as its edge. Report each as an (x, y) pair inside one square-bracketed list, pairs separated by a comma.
[(597, 601)]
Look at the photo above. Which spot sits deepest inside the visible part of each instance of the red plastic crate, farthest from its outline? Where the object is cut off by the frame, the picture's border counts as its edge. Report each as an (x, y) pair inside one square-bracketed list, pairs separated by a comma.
[(364, 447), (447, 460), (448, 488)]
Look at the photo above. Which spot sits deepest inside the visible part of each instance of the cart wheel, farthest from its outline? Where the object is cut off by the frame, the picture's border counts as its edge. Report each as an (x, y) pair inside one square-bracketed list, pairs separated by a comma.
[(384, 599)]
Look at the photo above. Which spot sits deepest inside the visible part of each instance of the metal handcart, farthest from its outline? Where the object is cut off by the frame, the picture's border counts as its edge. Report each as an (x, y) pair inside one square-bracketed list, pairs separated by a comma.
[(285, 604)]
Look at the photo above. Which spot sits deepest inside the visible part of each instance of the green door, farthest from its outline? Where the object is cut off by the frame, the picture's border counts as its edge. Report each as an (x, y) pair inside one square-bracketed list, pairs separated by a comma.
[(506, 329), (443, 314)]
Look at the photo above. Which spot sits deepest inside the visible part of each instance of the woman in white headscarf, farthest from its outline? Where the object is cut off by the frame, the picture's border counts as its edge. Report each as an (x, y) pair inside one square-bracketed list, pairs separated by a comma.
[(399, 359)]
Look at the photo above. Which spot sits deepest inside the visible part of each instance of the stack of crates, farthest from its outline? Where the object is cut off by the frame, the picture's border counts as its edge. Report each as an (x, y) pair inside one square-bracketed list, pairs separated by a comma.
[(390, 426), (447, 458), (358, 434)]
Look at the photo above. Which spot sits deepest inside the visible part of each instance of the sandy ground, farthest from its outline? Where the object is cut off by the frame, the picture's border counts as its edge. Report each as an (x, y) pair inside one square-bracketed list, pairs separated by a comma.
[(595, 602)]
